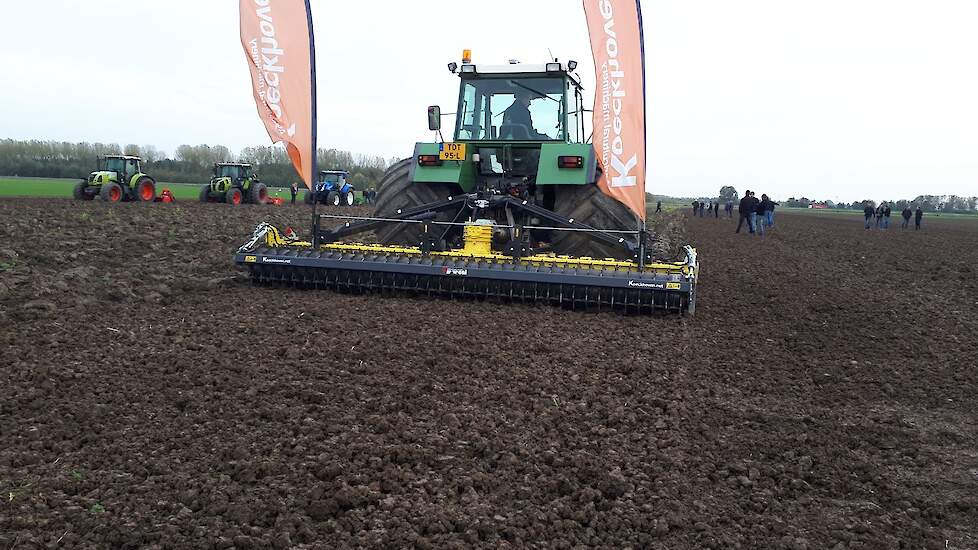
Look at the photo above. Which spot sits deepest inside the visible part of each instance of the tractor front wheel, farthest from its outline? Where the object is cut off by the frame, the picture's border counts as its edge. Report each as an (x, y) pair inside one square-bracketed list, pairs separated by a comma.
[(205, 193), (397, 192), (111, 192), (233, 196), (259, 193), (145, 190), (79, 192), (588, 205), (333, 198), (349, 199)]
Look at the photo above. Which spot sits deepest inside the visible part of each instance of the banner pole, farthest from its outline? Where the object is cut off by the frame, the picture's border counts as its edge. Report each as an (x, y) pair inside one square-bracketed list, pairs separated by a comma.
[(314, 128)]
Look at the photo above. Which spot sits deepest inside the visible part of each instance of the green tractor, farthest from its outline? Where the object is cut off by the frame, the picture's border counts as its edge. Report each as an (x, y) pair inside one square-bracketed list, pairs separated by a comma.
[(117, 178), (234, 183), (519, 133)]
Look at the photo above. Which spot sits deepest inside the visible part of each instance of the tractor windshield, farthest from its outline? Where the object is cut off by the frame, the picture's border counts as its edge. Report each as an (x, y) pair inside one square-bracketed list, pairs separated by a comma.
[(233, 172), (115, 164), (331, 178), (527, 109)]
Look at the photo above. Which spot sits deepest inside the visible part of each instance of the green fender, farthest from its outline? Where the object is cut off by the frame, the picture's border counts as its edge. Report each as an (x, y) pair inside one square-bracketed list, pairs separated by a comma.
[(137, 177)]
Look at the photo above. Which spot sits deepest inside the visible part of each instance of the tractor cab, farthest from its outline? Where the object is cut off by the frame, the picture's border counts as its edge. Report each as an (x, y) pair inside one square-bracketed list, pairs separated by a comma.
[(334, 180), (119, 165), (235, 171), (519, 131), (527, 103)]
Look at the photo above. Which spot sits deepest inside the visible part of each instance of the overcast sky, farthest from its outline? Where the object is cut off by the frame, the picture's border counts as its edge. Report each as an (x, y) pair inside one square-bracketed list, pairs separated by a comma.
[(838, 99)]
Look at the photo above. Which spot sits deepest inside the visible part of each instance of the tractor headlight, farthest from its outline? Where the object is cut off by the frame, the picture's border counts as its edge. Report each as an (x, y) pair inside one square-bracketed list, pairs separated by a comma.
[(554, 67), (468, 69), (571, 65)]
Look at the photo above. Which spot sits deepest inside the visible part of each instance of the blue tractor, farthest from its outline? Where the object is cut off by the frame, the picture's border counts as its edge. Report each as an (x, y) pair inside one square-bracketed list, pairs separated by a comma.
[(333, 189)]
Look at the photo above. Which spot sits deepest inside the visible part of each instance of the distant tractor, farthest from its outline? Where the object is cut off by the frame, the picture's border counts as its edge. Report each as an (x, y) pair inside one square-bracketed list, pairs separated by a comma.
[(117, 178), (333, 188), (234, 183)]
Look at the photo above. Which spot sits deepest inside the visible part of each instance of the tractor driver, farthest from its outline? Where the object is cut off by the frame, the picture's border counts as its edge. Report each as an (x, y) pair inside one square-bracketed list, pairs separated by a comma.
[(517, 121)]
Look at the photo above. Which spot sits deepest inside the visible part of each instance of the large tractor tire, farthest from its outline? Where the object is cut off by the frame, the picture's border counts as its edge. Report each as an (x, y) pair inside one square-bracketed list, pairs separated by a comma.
[(258, 194), (588, 205), (333, 198), (233, 196), (145, 190), (205, 193), (396, 192), (111, 192), (79, 192)]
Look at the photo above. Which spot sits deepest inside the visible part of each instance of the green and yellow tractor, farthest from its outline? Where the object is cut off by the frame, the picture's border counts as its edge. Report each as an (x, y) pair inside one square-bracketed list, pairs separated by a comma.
[(117, 178), (234, 183)]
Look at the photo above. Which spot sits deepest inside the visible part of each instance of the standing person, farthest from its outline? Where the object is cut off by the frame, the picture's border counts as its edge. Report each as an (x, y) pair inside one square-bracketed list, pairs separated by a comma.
[(879, 215), (295, 191), (716, 209), (868, 211), (886, 215), (696, 207), (907, 214), (917, 216), (728, 208), (658, 207), (760, 206), (769, 212), (743, 210)]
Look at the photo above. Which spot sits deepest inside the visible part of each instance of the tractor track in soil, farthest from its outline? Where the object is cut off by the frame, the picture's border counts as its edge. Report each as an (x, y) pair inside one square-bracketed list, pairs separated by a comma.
[(822, 397)]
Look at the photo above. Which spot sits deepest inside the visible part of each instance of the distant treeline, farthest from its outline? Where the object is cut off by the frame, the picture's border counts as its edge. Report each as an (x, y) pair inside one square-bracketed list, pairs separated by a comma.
[(189, 163)]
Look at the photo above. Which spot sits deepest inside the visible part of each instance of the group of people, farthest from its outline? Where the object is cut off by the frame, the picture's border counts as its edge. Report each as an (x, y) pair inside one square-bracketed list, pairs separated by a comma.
[(881, 216), (758, 213), (700, 207)]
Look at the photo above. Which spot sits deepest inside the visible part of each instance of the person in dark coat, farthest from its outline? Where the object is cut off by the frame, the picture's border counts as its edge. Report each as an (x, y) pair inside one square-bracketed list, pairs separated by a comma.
[(907, 214), (885, 212), (696, 208), (917, 216), (728, 209), (294, 190), (760, 209), (716, 210), (744, 210), (869, 212), (658, 207)]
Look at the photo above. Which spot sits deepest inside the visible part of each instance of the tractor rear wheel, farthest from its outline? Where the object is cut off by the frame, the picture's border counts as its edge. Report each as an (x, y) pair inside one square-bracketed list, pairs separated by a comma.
[(233, 196), (258, 194), (110, 192), (79, 192), (333, 198), (205, 193), (145, 190), (588, 205), (396, 192)]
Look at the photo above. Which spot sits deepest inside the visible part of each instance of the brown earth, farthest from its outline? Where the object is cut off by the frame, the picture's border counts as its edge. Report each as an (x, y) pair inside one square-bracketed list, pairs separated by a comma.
[(822, 397)]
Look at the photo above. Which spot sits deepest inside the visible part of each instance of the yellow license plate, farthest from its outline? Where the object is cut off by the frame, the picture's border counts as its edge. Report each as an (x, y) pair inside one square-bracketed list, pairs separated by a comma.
[(451, 151), (673, 286)]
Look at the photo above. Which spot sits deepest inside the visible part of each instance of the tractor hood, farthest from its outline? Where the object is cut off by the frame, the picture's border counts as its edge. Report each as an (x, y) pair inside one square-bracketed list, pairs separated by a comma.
[(103, 176)]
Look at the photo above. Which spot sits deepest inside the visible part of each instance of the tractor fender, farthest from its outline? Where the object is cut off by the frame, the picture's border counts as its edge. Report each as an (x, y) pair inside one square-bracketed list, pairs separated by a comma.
[(139, 176)]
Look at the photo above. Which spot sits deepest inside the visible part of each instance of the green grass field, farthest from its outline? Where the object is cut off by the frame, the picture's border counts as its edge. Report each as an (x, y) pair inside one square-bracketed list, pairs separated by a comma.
[(44, 187)]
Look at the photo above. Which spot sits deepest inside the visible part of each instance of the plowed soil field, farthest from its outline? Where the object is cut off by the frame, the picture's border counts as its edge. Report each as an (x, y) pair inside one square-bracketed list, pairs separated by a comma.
[(822, 397)]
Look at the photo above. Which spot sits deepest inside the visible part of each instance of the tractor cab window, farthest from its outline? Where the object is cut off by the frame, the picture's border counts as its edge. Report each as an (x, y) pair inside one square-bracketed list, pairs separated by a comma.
[(233, 172), (527, 109), (331, 178), (114, 164), (132, 166)]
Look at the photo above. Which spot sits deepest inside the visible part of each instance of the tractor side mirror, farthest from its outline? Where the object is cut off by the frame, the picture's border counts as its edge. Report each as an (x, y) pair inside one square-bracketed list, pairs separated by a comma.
[(434, 118)]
